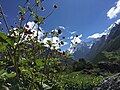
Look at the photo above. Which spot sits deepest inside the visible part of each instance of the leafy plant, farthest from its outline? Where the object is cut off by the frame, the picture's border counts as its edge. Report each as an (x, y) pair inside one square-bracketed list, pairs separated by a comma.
[(26, 62)]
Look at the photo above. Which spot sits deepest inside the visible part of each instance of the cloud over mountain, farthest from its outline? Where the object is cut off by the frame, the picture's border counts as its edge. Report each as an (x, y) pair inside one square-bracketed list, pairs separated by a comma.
[(96, 35), (76, 40), (114, 11), (106, 32)]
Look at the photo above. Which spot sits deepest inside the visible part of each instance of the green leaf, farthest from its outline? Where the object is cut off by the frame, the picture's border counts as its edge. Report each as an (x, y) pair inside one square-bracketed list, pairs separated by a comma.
[(54, 59), (39, 62), (26, 71), (12, 40), (3, 46), (53, 33), (22, 69), (47, 87), (3, 37), (42, 44), (3, 41), (22, 9), (36, 16), (38, 1), (31, 11), (40, 18), (21, 31), (49, 43), (11, 75), (2, 71)]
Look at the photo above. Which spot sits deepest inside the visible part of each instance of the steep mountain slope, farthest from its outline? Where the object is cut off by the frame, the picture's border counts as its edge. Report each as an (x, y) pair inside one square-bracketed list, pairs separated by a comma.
[(109, 41), (112, 46), (81, 50), (97, 45)]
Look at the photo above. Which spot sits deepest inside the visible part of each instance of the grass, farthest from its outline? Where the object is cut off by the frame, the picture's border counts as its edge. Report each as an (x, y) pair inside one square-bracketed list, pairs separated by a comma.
[(79, 81)]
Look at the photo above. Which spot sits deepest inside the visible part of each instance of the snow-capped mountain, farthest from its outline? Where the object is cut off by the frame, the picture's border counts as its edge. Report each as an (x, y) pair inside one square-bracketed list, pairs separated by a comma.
[(81, 50), (92, 48)]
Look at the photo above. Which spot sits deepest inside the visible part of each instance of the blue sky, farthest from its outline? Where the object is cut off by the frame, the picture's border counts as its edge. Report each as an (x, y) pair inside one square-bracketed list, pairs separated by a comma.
[(84, 17)]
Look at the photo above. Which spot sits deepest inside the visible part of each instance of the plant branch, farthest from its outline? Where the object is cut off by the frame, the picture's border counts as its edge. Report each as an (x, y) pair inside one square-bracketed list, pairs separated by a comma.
[(50, 13), (1, 11)]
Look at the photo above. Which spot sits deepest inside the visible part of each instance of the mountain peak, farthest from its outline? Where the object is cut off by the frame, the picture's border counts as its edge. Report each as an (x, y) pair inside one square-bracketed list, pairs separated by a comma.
[(91, 48)]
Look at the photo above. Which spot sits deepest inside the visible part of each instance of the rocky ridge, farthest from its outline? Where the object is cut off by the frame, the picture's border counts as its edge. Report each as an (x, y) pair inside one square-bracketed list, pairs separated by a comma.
[(110, 83)]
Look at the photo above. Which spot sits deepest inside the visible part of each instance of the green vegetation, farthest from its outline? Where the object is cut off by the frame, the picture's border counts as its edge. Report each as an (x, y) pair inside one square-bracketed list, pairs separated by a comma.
[(79, 81), (113, 56), (110, 52), (81, 64), (27, 63)]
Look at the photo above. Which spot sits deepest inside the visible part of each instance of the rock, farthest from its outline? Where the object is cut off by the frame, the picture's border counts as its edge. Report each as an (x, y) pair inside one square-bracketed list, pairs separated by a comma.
[(110, 83)]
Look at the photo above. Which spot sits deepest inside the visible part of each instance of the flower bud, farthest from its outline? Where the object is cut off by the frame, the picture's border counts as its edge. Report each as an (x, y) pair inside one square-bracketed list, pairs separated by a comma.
[(59, 31), (55, 6), (62, 42), (27, 25), (76, 35)]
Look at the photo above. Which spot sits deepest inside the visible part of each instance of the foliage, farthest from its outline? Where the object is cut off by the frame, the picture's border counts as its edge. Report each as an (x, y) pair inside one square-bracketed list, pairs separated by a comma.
[(26, 63)]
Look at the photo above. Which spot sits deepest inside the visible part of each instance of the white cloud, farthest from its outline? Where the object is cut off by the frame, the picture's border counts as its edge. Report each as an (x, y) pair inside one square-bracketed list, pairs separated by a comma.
[(72, 32), (71, 37), (55, 30), (96, 35), (34, 27), (62, 27), (76, 39), (106, 32), (65, 43), (80, 36), (114, 11), (74, 42), (54, 42), (45, 41)]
